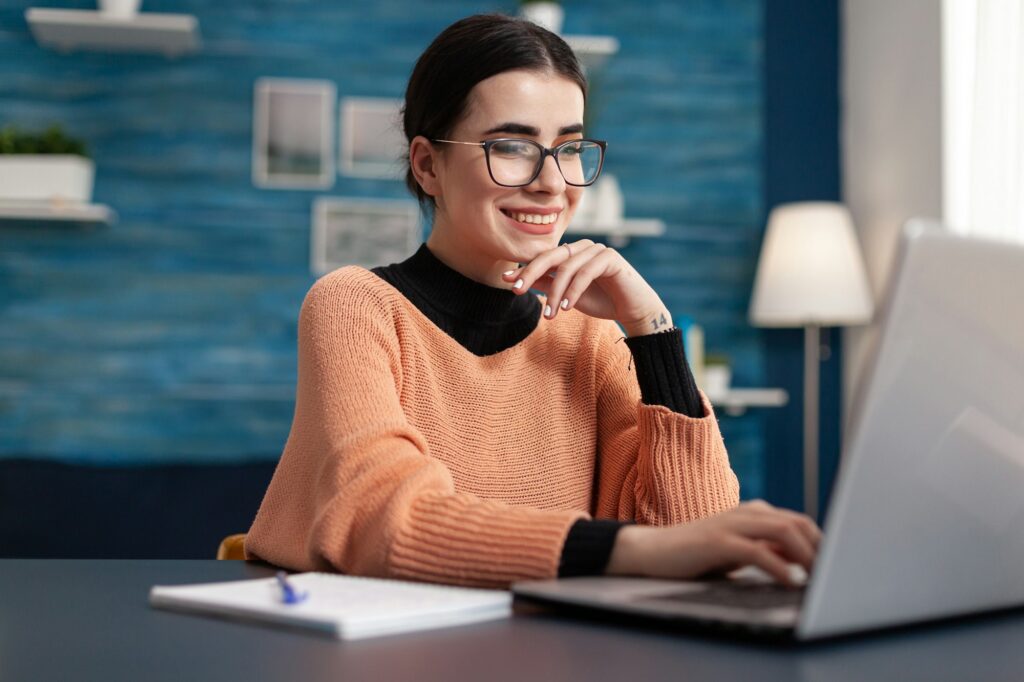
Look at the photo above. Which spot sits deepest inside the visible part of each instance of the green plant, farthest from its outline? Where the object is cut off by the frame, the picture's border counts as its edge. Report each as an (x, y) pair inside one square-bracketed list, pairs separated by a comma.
[(50, 141), (718, 359)]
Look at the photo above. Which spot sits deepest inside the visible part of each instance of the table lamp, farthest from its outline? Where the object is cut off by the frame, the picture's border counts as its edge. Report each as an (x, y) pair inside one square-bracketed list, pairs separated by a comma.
[(811, 275)]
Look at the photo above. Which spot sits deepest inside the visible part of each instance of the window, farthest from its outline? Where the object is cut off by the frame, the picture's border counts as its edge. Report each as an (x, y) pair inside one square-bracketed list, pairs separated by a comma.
[(983, 117)]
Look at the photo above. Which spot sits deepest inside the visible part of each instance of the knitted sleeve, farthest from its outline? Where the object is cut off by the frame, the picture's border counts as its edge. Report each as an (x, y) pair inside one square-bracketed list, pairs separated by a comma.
[(356, 489), (663, 373), (655, 466)]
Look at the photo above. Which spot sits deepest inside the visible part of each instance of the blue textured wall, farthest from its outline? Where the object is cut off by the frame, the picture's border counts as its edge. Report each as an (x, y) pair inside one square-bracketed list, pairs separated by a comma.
[(170, 336), (801, 162)]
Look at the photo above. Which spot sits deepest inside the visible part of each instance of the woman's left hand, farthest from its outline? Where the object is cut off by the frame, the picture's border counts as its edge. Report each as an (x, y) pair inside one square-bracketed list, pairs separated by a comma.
[(595, 280)]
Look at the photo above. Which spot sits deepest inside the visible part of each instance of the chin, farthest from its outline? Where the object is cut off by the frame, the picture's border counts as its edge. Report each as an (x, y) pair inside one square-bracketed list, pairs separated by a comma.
[(531, 247), (524, 253)]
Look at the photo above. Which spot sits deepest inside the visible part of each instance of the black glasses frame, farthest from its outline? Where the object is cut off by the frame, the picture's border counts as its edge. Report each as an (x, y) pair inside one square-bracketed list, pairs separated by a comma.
[(544, 153)]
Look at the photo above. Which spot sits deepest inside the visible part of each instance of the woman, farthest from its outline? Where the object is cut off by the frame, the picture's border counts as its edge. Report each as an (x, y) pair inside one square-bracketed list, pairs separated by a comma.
[(452, 427)]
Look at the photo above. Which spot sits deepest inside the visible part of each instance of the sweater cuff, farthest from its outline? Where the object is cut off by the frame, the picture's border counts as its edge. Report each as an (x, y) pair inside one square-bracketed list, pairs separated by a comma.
[(663, 373), (588, 547)]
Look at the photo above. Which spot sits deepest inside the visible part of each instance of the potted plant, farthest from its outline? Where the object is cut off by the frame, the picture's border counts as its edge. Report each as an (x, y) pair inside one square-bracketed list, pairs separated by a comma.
[(47, 166), (546, 13), (120, 9), (717, 374)]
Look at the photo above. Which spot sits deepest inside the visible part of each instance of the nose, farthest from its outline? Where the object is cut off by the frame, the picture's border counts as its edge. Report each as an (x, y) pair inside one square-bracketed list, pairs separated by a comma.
[(550, 179)]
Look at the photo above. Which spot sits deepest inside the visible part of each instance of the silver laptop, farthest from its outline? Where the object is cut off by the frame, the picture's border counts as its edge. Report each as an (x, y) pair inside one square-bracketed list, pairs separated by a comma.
[(927, 517)]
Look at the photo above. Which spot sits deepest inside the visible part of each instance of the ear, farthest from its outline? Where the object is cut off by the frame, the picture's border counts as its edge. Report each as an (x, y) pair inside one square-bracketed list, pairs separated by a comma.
[(425, 163)]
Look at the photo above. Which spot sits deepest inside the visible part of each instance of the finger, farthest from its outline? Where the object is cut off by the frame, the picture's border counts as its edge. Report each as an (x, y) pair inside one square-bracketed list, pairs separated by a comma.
[(543, 285), (518, 281), (806, 525), (761, 555), (601, 265), (569, 277), (545, 262), (784, 534), (564, 275), (513, 274)]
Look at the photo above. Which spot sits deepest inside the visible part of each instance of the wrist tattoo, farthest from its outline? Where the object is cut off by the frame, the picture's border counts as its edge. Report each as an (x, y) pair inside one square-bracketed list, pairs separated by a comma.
[(659, 322)]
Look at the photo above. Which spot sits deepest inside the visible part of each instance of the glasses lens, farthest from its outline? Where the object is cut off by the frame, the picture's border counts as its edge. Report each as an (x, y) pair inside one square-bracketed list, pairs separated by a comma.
[(580, 161), (513, 162)]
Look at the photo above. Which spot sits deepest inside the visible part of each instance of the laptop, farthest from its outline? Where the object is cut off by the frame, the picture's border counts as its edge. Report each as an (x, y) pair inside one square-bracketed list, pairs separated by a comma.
[(927, 517)]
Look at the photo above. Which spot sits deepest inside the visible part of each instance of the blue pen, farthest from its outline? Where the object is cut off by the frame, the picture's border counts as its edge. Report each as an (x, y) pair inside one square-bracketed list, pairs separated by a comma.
[(289, 595)]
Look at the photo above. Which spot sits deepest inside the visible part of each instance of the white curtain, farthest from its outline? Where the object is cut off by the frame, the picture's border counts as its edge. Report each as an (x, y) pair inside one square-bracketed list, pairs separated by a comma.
[(983, 64)]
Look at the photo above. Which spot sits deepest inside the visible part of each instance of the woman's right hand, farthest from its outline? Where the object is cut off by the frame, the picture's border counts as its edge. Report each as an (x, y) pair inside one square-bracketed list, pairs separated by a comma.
[(753, 533)]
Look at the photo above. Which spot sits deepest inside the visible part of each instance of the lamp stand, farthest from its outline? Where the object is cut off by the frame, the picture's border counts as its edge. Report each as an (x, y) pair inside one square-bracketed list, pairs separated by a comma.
[(812, 360)]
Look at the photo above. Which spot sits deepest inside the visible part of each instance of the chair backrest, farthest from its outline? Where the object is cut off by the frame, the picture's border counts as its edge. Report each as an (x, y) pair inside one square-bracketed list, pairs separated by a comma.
[(232, 548)]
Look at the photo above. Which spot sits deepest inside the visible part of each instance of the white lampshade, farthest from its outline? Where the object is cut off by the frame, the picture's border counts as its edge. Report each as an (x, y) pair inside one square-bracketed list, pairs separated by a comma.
[(810, 271)]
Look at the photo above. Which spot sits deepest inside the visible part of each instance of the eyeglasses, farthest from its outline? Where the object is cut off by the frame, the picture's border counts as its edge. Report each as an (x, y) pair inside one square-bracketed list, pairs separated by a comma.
[(515, 162)]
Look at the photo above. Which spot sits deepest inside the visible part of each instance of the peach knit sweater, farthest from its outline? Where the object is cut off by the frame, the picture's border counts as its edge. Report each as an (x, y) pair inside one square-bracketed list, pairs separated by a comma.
[(410, 457)]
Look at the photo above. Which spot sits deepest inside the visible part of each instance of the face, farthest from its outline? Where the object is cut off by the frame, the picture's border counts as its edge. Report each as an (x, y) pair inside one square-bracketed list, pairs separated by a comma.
[(480, 227)]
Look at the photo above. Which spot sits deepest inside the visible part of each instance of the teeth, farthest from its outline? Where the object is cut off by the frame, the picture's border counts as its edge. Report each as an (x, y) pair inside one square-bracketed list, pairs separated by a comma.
[(535, 219)]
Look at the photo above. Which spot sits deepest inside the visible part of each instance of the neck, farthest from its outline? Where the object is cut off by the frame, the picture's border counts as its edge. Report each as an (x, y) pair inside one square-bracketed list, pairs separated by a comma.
[(478, 267)]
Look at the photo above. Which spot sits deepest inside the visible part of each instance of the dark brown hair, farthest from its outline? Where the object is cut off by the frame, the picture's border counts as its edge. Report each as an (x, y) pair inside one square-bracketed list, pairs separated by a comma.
[(467, 52)]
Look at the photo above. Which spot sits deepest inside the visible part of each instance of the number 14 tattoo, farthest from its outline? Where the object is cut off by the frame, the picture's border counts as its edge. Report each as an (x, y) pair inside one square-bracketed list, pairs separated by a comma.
[(658, 323)]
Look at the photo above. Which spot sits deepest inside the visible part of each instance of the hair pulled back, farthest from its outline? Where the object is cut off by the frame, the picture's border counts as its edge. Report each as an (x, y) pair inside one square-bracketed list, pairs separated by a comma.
[(467, 52)]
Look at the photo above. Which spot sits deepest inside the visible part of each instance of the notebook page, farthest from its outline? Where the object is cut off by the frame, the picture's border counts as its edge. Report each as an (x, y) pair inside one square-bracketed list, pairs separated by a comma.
[(348, 607)]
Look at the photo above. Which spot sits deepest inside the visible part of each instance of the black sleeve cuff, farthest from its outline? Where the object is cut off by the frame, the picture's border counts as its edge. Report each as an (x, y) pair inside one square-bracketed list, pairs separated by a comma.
[(663, 373), (588, 547)]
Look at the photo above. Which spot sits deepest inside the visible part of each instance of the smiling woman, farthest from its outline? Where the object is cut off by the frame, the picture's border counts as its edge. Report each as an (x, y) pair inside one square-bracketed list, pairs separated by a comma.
[(472, 208), (450, 424)]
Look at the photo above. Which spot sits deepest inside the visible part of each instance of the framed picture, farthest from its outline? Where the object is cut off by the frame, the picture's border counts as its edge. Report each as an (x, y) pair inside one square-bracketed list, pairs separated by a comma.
[(366, 232), (293, 133), (372, 142)]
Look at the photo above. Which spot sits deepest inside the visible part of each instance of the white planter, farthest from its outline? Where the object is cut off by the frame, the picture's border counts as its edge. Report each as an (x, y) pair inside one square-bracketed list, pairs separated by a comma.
[(609, 208), (46, 177), (600, 206), (120, 9), (547, 14), (717, 379)]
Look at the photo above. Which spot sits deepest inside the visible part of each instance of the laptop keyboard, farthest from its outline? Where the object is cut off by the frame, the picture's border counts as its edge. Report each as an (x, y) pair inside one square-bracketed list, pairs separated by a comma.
[(738, 595)]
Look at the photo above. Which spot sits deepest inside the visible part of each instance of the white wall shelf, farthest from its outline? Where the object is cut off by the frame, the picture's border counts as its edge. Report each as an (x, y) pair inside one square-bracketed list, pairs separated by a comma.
[(736, 401), (60, 212), (619, 234), (66, 30)]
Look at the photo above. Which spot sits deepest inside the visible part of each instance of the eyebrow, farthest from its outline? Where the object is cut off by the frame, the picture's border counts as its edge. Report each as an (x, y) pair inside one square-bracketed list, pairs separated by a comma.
[(521, 129)]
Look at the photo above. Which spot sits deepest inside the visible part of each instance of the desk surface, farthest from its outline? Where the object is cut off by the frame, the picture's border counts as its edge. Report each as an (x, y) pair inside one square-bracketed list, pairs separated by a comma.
[(85, 620)]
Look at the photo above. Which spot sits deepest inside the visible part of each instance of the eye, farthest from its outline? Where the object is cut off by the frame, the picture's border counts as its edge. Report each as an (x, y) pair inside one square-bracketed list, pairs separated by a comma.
[(571, 151), (513, 148)]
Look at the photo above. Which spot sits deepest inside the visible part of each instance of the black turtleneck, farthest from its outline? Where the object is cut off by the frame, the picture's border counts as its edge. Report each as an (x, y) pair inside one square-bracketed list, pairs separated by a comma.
[(486, 320)]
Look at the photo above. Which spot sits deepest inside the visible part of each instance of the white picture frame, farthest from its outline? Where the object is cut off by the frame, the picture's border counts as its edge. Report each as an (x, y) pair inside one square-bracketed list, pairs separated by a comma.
[(293, 133), (371, 143), (364, 232)]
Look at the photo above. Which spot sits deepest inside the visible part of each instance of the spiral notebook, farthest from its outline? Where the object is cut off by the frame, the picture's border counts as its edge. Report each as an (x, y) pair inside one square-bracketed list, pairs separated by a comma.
[(346, 607)]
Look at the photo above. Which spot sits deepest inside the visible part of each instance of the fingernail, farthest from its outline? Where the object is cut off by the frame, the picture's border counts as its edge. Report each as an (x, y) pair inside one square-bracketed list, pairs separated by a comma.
[(565, 304), (508, 272), (547, 311), (518, 284)]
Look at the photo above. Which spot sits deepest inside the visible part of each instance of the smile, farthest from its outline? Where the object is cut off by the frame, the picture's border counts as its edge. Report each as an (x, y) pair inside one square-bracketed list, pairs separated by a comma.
[(532, 218)]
